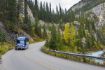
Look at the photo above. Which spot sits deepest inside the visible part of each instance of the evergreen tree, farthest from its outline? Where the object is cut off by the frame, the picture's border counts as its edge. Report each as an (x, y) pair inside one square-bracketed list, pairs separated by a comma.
[(2, 37), (45, 36), (27, 22), (11, 11), (59, 40), (36, 9), (38, 28), (20, 11), (10, 16), (53, 40), (2, 9)]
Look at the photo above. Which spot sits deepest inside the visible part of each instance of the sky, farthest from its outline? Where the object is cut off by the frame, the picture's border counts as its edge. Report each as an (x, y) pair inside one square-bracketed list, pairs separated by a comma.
[(64, 3)]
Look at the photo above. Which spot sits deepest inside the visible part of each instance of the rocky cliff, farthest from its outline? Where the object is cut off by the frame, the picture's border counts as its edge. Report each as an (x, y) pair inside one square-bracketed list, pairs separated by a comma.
[(95, 6)]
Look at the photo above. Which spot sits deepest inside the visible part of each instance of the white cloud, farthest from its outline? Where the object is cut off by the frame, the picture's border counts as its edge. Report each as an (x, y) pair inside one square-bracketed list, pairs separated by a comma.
[(64, 3)]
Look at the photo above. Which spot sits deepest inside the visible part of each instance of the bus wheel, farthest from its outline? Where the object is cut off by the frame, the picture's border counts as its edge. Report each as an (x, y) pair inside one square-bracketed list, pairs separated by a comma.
[(16, 48)]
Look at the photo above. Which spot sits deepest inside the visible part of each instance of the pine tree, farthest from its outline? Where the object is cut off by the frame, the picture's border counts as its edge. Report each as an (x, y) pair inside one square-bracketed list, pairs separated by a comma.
[(53, 41), (27, 22), (11, 12), (2, 9), (10, 16), (19, 13), (59, 40), (25, 15), (36, 9), (38, 28), (41, 11), (2, 37), (45, 36)]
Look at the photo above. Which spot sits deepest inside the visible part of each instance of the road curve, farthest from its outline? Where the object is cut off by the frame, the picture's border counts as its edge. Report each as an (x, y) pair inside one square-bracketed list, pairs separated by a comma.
[(34, 59)]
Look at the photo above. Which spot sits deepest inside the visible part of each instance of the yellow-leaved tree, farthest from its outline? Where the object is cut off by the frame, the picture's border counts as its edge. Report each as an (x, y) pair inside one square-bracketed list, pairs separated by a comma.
[(70, 35), (67, 33)]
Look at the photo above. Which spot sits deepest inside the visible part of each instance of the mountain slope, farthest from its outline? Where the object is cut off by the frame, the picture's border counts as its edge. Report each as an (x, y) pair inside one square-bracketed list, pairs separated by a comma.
[(97, 7), (85, 5)]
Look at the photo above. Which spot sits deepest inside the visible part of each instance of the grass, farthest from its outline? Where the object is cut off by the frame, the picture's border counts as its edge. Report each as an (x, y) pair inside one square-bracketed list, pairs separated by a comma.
[(36, 40), (4, 47)]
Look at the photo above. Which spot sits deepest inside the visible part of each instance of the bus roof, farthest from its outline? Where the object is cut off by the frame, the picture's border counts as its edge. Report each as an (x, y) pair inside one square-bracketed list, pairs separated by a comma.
[(22, 38)]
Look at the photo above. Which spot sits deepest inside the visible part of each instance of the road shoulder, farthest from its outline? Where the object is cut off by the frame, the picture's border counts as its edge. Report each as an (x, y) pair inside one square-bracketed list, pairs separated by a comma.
[(0, 64)]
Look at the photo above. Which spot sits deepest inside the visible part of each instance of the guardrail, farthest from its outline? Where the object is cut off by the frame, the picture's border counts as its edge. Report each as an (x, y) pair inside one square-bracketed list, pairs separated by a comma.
[(77, 57), (75, 54)]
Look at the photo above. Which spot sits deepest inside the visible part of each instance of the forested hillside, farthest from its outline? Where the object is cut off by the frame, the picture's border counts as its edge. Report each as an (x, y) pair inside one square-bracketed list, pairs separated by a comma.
[(43, 11), (13, 15), (14, 21), (62, 29), (67, 31)]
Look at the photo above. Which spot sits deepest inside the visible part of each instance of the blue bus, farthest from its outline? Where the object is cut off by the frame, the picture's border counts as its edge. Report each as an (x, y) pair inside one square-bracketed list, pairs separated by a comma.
[(22, 43)]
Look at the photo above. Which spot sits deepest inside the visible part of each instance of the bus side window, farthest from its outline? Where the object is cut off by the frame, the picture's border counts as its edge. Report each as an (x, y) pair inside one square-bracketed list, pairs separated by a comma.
[(18, 41), (25, 41)]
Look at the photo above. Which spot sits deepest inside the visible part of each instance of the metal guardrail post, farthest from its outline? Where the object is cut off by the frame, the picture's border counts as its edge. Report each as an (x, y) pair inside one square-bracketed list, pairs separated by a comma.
[(0, 60)]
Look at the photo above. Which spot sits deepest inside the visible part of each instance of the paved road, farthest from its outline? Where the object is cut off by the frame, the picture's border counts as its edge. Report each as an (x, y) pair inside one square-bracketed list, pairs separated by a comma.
[(34, 59)]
